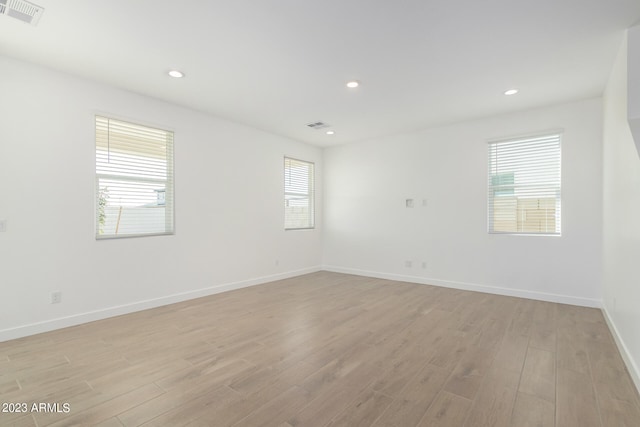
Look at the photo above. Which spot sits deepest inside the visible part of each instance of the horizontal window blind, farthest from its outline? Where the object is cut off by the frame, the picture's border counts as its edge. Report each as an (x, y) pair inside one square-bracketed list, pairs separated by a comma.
[(524, 185), (134, 179), (299, 186)]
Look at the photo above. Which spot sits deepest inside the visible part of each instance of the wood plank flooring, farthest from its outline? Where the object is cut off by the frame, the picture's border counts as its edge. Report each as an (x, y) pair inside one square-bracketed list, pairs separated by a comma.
[(328, 349)]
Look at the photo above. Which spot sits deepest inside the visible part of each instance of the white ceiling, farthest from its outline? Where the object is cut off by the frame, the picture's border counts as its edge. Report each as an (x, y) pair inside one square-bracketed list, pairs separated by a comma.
[(280, 64)]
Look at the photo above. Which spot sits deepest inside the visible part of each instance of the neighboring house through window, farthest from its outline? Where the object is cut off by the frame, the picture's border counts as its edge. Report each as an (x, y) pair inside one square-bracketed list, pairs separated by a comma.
[(524, 185)]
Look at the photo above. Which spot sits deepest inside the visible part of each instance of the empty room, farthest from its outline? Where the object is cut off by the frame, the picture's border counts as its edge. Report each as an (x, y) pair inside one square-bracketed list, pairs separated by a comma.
[(342, 213)]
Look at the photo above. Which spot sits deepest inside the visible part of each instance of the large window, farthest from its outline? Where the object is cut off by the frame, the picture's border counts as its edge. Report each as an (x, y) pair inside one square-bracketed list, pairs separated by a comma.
[(134, 179), (298, 194), (524, 185)]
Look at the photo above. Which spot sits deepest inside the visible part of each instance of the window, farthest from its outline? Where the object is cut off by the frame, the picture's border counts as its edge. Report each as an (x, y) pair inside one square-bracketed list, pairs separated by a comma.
[(298, 194), (524, 185), (134, 180)]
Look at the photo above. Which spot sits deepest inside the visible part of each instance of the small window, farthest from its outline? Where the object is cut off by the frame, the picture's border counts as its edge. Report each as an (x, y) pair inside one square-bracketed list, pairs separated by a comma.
[(299, 206), (134, 180), (524, 185)]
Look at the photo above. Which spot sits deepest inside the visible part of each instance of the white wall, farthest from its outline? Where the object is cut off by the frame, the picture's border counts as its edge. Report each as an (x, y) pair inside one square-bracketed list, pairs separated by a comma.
[(621, 219), (229, 206), (368, 229), (633, 82)]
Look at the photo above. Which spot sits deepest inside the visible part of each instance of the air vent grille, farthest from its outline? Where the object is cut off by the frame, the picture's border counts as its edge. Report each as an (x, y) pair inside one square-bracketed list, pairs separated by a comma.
[(318, 125), (21, 10)]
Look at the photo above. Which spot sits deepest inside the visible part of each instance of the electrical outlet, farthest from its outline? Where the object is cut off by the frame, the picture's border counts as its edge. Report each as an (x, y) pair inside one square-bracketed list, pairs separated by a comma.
[(424, 264), (409, 203), (3, 225), (408, 264), (56, 297)]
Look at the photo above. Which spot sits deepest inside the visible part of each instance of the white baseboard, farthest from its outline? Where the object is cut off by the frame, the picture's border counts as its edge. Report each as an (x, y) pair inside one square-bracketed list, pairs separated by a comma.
[(77, 319), (634, 372), (521, 293)]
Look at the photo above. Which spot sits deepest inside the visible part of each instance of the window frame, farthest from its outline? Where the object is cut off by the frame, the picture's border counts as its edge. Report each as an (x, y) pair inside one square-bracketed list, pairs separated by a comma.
[(168, 201), (310, 194), (491, 187)]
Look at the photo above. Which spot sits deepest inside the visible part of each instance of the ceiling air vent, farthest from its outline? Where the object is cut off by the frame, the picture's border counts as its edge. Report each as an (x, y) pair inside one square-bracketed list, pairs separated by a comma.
[(314, 125), (22, 10)]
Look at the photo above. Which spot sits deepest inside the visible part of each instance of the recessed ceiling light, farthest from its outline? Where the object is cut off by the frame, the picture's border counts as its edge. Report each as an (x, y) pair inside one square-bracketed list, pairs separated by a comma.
[(330, 132), (353, 84), (511, 92), (177, 74)]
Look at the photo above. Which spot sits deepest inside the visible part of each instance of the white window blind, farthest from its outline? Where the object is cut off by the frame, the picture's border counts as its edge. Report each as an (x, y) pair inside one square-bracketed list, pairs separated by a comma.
[(134, 179), (524, 185), (298, 194)]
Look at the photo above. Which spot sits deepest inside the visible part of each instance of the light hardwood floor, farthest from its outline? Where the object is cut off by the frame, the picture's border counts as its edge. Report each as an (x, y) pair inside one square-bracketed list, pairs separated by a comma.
[(328, 349)]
